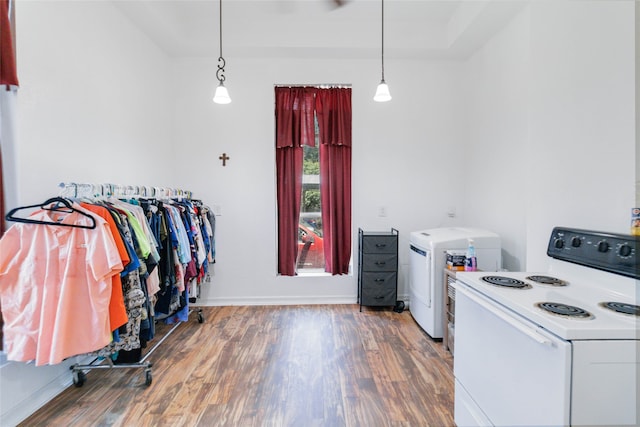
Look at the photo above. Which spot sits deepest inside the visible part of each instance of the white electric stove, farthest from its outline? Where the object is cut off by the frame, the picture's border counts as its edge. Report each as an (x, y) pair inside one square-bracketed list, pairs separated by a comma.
[(553, 348)]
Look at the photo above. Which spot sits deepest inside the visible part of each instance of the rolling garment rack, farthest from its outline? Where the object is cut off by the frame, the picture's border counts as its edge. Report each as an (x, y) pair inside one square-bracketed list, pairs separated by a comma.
[(92, 191)]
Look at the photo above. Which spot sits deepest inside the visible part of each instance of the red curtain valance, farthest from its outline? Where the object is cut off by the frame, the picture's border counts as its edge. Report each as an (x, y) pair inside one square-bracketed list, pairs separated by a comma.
[(8, 73), (333, 107), (294, 117)]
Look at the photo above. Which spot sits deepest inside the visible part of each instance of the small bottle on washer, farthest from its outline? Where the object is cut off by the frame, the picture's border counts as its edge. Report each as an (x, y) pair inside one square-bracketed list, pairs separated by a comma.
[(471, 263)]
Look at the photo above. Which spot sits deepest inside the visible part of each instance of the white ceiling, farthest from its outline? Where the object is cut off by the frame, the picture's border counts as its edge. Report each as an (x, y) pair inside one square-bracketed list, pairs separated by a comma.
[(319, 29)]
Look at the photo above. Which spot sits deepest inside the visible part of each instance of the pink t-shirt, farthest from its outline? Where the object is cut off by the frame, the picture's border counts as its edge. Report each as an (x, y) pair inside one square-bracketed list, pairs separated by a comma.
[(55, 287)]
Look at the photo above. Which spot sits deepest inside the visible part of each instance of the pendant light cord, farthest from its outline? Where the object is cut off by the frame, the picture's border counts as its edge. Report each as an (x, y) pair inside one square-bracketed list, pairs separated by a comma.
[(382, 91), (382, 44), (221, 61), (220, 15)]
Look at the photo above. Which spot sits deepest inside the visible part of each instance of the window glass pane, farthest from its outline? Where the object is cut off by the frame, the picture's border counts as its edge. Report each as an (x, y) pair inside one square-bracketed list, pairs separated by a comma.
[(310, 242)]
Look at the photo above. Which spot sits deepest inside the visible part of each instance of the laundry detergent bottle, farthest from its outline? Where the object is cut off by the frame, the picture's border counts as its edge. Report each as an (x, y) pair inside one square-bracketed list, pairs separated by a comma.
[(471, 263)]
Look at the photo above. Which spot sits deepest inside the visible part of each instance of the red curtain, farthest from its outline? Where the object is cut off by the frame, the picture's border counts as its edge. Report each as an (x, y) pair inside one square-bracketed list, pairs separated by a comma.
[(294, 128), (8, 74), (333, 109)]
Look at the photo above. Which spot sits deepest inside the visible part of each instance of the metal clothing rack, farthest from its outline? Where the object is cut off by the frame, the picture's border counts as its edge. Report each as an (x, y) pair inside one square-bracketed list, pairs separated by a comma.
[(80, 377), (75, 190)]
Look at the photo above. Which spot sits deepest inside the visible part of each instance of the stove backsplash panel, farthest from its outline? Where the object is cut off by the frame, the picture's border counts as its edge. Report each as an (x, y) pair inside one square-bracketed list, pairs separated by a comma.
[(612, 252)]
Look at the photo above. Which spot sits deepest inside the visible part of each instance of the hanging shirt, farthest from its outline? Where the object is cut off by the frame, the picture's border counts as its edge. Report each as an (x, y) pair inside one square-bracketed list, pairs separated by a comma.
[(117, 310), (210, 223), (141, 227), (134, 300), (180, 239), (199, 251), (138, 233), (55, 287)]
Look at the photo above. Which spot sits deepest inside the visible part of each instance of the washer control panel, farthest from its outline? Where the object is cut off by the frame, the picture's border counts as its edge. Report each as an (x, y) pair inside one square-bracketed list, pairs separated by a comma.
[(616, 253)]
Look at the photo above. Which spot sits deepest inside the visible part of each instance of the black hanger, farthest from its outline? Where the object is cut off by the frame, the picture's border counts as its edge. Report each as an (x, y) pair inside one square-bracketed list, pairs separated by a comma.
[(57, 208)]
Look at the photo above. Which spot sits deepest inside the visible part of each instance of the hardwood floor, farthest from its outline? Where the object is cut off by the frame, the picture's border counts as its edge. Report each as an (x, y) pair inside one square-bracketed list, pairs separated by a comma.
[(316, 365)]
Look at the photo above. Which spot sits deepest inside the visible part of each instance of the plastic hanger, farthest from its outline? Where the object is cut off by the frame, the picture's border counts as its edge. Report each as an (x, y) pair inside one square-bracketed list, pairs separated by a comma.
[(57, 208)]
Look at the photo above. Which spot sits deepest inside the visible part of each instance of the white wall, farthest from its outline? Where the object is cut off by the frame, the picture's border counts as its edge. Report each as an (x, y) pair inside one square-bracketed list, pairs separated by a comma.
[(92, 107), (548, 131), (493, 114), (399, 157), (581, 154), (94, 103)]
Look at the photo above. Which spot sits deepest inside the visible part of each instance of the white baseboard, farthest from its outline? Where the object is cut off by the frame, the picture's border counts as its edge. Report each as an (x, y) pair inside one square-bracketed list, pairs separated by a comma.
[(296, 300)]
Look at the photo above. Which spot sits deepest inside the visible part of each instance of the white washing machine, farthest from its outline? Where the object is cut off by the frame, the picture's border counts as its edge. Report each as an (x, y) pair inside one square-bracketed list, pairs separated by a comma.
[(427, 260)]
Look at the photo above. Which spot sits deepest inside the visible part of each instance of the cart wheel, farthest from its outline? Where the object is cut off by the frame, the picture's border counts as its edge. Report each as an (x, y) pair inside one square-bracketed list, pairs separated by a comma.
[(200, 317), (79, 378), (148, 378)]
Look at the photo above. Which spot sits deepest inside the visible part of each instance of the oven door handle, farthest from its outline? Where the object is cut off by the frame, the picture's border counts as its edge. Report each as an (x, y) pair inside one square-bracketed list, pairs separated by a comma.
[(527, 330)]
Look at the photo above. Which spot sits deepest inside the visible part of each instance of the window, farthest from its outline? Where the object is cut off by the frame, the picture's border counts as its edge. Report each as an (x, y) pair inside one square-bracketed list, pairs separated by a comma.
[(310, 243), (313, 169)]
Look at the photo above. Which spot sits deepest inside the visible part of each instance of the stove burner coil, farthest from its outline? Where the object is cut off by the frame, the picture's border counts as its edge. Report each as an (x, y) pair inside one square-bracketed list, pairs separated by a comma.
[(548, 280), (507, 282), (564, 310), (622, 307)]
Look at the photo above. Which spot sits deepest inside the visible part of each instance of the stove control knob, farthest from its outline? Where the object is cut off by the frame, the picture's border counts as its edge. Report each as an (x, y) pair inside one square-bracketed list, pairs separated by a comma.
[(603, 246), (559, 243), (625, 250), (576, 242)]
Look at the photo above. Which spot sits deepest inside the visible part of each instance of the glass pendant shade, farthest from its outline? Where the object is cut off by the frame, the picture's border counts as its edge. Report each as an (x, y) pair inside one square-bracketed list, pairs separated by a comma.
[(222, 95), (382, 93)]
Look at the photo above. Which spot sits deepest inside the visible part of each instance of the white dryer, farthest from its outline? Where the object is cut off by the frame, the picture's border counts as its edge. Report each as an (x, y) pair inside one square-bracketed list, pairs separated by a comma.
[(427, 260)]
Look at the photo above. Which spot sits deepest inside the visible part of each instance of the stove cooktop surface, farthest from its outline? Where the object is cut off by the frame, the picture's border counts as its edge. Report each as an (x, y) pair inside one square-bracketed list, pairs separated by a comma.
[(591, 290), (581, 308)]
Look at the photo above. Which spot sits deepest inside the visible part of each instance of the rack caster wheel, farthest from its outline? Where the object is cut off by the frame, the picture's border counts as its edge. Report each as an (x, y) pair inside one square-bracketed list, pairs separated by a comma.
[(79, 378), (147, 378), (200, 318)]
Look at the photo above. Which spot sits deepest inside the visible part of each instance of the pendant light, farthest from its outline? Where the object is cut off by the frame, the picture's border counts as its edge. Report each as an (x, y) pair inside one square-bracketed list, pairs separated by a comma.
[(382, 92), (222, 95)]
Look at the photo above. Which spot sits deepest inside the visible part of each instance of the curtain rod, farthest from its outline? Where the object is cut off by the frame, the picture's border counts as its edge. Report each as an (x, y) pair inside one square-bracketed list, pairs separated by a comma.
[(320, 85)]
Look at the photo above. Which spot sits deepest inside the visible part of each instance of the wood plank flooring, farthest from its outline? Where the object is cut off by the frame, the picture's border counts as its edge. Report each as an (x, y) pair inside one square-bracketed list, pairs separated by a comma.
[(312, 365)]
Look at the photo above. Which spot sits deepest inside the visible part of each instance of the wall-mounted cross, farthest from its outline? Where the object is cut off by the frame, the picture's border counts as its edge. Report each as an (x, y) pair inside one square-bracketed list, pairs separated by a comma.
[(224, 159)]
